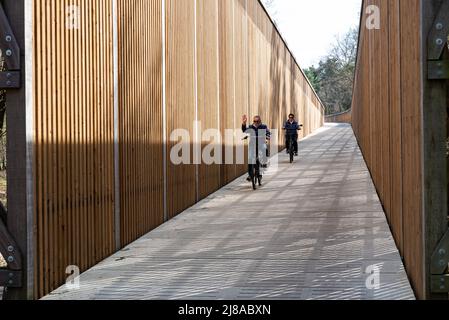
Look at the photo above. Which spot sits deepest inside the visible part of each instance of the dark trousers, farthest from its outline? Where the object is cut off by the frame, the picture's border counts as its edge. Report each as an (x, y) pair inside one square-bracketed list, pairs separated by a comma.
[(295, 142)]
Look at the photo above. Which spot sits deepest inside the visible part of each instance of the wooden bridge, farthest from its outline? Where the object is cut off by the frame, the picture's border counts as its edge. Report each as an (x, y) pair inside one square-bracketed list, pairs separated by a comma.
[(96, 92)]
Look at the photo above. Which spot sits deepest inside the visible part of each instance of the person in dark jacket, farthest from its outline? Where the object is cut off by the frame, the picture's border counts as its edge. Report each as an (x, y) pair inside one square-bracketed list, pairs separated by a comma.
[(259, 134), (291, 128)]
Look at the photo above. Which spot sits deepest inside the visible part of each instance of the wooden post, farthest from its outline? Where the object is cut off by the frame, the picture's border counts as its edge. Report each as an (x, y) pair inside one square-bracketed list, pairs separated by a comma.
[(19, 153), (434, 153)]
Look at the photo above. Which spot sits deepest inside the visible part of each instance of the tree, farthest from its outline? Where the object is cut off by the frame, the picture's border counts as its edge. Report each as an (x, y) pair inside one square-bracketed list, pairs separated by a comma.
[(312, 75), (333, 79)]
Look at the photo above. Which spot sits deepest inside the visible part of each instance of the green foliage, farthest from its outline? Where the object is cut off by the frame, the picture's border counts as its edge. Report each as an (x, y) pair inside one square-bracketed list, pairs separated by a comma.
[(333, 78), (312, 75)]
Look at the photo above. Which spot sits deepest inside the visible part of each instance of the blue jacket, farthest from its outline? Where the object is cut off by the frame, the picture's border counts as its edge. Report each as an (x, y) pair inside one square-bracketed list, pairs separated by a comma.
[(255, 131), (257, 146), (291, 129)]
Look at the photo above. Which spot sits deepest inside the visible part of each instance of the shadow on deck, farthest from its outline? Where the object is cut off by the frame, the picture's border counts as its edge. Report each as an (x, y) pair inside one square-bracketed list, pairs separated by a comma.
[(313, 231)]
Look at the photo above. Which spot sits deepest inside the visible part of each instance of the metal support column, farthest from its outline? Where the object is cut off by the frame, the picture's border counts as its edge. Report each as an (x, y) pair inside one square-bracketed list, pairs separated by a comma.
[(435, 29)]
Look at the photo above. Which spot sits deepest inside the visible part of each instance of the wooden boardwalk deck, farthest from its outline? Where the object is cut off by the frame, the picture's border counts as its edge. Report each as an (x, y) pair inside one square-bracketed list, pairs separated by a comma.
[(311, 232)]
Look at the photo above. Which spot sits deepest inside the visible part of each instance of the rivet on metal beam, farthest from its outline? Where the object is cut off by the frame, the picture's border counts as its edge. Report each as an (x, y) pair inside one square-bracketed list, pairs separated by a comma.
[(8, 52), (442, 252), (10, 259), (11, 275), (442, 263), (8, 38), (439, 41), (439, 26), (10, 249)]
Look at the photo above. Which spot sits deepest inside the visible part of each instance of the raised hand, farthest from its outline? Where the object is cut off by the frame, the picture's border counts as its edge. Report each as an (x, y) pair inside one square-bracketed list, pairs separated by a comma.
[(245, 119)]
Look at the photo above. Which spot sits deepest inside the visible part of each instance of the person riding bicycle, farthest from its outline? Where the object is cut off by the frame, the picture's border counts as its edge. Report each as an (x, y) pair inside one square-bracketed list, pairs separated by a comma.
[(291, 128), (259, 135)]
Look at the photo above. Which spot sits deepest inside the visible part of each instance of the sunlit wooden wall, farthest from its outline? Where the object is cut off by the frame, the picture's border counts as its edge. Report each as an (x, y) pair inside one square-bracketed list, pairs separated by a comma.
[(387, 117), (140, 117), (73, 91), (180, 99), (222, 59)]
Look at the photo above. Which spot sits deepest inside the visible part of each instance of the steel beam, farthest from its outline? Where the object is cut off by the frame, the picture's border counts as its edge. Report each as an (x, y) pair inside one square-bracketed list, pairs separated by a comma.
[(435, 25), (20, 144)]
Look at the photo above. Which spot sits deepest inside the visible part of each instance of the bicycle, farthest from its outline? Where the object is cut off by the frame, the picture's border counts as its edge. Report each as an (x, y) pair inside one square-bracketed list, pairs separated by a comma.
[(291, 145), (255, 172), (256, 177)]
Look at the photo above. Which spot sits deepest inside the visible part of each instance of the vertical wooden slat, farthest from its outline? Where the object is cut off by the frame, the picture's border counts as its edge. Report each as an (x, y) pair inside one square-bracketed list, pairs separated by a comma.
[(71, 135), (207, 51), (395, 123), (141, 134), (412, 145), (180, 103)]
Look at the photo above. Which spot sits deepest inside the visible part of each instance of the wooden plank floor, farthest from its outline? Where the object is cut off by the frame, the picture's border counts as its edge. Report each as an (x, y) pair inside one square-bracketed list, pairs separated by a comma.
[(311, 232)]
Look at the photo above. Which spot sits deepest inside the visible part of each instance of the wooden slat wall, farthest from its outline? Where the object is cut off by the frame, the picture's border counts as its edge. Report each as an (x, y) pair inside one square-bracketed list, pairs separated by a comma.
[(387, 116), (208, 87), (241, 67), (140, 112), (223, 59), (74, 135), (253, 58), (227, 85), (344, 117), (180, 99)]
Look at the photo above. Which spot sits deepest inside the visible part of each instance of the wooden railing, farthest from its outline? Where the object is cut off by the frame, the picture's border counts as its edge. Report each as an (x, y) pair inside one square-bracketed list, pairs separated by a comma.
[(343, 117)]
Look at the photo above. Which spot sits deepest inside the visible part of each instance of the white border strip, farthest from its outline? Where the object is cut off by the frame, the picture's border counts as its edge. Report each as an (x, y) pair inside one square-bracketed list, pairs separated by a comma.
[(164, 110), (116, 127), (30, 144)]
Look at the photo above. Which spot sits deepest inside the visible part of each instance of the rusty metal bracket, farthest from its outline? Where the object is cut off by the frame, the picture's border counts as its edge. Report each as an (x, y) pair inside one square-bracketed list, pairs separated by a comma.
[(438, 69), (10, 279), (440, 266), (9, 249), (10, 80), (12, 275), (9, 47), (440, 284)]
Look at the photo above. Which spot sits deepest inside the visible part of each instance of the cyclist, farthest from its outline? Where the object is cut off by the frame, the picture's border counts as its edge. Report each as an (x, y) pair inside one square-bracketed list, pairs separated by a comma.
[(291, 128), (259, 134)]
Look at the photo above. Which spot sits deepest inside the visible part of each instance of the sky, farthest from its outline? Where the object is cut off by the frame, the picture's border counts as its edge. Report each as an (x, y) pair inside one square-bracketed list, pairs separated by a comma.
[(310, 26)]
